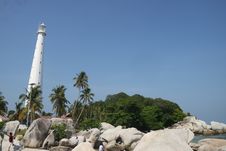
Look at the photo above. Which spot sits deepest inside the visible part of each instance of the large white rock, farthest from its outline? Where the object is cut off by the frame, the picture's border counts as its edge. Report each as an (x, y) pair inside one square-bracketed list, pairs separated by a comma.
[(105, 126), (60, 148), (192, 123), (22, 127), (120, 139), (211, 144), (36, 133), (199, 126), (84, 133), (223, 148), (95, 133), (81, 139), (64, 142), (86, 146), (73, 141), (218, 126), (49, 141), (111, 134), (207, 147), (166, 140), (7, 146), (33, 149), (11, 126)]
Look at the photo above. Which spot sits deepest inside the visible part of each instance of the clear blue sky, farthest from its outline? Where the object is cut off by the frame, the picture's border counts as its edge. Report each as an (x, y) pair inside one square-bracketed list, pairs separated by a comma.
[(173, 49)]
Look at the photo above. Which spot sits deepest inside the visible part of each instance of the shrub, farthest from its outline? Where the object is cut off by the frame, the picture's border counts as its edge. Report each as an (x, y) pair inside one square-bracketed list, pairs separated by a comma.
[(59, 131), (89, 123), (2, 124)]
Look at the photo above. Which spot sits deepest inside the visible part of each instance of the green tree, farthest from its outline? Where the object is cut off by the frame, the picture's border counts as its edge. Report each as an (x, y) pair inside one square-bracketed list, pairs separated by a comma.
[(59, 101), (11, 114), (152, 117), (98, 110), (20, 113), (3, 105), (140, 112), (46, 113), (2, 124), (86, 97), (59, 131), (89, 123), (81, 82), (34, 106)]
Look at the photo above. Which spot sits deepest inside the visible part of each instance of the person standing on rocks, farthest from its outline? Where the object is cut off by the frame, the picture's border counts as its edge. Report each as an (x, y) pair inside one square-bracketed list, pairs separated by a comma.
[(11, 137), (101, 147)]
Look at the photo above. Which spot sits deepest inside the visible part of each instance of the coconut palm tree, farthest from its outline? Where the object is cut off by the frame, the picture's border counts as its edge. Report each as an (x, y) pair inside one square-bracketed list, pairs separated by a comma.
[(81, 82), (10, 114), (20, 112), (59, 100), (3, 105), (34, 106), (86, 97), (98, 110)]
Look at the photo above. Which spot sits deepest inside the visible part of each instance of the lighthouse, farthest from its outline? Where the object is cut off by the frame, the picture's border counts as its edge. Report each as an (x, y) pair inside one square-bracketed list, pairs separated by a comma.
[(35, 78)]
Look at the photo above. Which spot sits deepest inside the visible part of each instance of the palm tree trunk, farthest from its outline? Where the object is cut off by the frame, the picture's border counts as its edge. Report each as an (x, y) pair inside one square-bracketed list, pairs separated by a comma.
[(79, 116), (75, 105)]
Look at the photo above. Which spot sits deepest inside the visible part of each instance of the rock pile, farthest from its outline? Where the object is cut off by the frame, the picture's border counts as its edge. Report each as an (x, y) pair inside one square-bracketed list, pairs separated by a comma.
[(210, 145), (40, 137), (36, 133), (166, 140), (200, 127)]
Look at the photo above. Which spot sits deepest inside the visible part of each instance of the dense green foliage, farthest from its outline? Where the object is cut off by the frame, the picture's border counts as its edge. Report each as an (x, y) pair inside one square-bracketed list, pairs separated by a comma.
[(133, 111), (120, 109), (85, 97), (59, 101), (89, 123), (3, 105), (2, 124), (35, 105), (59, 131)]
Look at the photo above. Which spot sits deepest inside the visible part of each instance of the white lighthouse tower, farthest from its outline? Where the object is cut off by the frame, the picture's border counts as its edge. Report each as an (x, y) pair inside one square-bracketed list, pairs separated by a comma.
[(35, 78)]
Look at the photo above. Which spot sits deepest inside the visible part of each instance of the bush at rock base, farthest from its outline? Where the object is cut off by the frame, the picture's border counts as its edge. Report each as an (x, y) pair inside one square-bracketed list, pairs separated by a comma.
[(2, 125), (89, 123), (59, 131)]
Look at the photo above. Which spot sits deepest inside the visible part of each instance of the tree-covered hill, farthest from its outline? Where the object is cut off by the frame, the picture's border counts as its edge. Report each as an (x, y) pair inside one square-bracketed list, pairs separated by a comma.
[(132, 111)]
